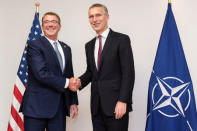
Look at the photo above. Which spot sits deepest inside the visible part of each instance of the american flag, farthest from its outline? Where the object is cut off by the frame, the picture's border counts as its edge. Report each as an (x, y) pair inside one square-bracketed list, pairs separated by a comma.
[(16, 119)]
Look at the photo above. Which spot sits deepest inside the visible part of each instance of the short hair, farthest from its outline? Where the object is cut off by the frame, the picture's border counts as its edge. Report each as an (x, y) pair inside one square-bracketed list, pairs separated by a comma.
[(52, 13), (99, 5)]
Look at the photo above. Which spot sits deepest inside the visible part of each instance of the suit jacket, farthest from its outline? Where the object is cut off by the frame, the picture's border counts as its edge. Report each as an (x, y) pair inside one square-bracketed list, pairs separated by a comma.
[(45, 86), (115, 79)]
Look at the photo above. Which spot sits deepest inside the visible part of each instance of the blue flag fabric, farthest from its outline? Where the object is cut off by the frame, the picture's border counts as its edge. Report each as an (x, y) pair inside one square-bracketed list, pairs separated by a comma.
[(171, 101), (35, 33)]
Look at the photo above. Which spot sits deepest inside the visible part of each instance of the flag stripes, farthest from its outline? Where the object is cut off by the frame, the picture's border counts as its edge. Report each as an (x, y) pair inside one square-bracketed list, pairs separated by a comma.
[(16, 119)]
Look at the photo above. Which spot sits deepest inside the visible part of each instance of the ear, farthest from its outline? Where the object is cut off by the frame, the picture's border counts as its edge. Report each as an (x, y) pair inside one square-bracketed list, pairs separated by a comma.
[(60, 27), (107, 15)]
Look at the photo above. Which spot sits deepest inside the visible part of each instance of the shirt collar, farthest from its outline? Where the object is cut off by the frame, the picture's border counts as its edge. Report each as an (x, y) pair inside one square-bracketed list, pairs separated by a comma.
[(51, 41), (104, 34)]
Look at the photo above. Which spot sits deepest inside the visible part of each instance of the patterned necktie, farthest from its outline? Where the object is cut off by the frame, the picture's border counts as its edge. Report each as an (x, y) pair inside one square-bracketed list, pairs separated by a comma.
[(58, 56), (99, 51)]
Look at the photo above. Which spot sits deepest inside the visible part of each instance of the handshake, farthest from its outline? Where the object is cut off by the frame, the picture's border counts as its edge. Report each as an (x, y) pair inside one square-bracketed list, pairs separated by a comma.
[(74, 84)]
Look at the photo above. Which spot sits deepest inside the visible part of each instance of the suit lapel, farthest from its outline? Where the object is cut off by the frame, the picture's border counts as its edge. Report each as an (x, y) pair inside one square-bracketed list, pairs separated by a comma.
[(106, 48), (92, 58), (50, 48)]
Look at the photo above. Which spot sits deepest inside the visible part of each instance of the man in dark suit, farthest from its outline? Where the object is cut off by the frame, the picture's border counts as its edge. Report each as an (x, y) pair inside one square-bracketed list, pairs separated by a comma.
[(47, 100), (110, 69)]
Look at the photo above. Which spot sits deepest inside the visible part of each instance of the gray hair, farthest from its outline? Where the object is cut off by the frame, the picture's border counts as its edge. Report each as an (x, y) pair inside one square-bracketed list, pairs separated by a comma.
[(99, 5), (54, 14)]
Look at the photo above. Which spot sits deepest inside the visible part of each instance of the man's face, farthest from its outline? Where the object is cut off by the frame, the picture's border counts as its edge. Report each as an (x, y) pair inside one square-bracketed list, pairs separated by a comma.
[(51, 26), (98, 19)]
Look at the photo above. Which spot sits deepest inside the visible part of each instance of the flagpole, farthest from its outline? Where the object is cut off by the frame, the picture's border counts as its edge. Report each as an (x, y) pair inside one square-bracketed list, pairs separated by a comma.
[(169, 1), (37, 7)]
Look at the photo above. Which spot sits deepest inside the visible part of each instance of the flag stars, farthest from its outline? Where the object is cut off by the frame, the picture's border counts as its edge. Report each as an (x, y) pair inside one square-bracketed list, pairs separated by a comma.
[(26, 74), (25, 80), (22, 65), (20, 72), (35, 33), (37, 26), (23, 58)]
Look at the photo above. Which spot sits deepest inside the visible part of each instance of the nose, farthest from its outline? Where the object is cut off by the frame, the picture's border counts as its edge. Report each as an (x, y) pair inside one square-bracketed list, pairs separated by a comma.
[(50, 24), (94, 18)]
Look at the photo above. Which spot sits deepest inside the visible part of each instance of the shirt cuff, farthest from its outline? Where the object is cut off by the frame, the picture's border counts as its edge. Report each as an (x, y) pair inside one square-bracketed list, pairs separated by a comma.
[(67, 83)]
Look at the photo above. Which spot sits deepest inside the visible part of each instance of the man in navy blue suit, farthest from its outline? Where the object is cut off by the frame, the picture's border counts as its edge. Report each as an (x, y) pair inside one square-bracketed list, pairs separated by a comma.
[(47, 100)]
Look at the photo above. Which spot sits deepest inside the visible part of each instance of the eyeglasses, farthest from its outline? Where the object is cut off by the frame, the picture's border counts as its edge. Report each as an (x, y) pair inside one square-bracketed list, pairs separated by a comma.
[(52, 21)]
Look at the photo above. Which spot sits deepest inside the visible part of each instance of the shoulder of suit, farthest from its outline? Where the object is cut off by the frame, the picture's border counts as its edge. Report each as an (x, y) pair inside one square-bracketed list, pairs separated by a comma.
[(117, 34), (65, 45), (92, 41), (36, 41)]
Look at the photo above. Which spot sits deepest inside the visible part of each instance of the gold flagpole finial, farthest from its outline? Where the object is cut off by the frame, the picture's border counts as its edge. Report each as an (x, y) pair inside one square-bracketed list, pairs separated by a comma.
[(169, 1), (37, 7)]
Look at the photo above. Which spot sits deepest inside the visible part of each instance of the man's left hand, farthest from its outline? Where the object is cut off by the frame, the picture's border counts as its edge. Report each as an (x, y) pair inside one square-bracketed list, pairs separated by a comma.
[(120, 109), (74, 111)]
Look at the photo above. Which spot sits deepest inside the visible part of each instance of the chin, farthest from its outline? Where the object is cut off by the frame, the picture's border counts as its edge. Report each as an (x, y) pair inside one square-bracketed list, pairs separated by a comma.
[(97, 30), (51, 34)]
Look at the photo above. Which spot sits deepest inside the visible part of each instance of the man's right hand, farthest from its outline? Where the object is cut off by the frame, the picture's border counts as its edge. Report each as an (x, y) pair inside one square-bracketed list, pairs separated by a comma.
[(74, 84)]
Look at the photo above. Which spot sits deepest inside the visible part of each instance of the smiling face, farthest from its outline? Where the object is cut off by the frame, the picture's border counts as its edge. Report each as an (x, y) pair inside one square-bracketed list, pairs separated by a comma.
[(51, 26), (98, 19)]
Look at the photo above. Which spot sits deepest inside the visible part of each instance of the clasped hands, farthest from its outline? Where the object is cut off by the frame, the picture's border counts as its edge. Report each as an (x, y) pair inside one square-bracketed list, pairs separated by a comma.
[(74, 84)]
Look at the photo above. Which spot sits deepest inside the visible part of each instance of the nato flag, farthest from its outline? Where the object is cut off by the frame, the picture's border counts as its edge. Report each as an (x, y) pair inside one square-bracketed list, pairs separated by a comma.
[(171, 101)]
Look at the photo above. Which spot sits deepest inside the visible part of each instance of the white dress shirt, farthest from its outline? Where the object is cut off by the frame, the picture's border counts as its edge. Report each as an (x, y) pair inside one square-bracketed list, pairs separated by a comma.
[(62, 55), (103, 39)]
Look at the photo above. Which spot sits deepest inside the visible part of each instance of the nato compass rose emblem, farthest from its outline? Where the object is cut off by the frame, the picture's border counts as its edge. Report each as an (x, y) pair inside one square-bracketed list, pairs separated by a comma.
[(171, 97)]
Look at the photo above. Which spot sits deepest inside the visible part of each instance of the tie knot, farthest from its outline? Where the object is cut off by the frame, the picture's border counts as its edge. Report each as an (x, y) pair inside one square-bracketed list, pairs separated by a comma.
[(99, 36), (55, 43)]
